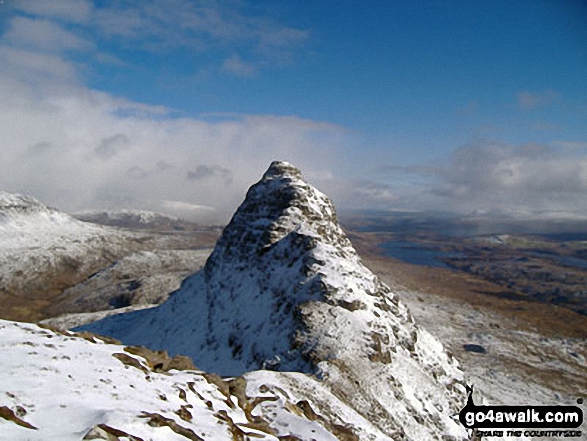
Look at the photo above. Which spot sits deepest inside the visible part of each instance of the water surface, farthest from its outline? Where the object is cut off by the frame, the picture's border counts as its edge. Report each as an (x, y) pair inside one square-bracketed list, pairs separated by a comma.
[(417, 253)]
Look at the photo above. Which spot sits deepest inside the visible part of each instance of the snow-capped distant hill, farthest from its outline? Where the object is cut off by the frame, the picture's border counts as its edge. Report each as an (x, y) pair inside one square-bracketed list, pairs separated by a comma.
[(43, 250), (136, 219), (26, 223), (285, 290)]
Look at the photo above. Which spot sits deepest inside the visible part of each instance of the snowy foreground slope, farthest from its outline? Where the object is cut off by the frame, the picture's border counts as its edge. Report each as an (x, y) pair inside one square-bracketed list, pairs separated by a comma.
[(60, 386), (285, 290)]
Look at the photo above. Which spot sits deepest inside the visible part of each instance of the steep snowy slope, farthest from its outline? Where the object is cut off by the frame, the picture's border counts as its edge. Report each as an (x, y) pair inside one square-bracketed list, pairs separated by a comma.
[(285, 290), (43, 250), (62, 387)]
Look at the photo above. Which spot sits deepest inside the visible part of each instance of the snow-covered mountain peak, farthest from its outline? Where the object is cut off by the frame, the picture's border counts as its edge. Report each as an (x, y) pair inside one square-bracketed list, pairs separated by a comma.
[(280, 204), (18, 202), (285, 290), (280, 169)]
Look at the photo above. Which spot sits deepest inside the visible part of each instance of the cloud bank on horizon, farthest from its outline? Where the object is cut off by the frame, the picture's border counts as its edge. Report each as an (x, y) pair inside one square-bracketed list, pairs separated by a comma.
[(179, 106)]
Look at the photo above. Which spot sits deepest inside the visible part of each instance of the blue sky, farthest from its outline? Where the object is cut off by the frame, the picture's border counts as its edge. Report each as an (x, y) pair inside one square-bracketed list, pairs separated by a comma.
[(180, 105)]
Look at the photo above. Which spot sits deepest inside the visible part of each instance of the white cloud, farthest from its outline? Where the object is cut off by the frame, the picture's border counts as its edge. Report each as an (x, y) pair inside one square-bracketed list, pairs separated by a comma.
[(531, 100), (46, 71), (236, 66), (205, 172), (572, 145), (500, 177), (368, 194), (112, 146), (234, 40), (83, 149), (110, 59), (77, 148), (73, 11), (159, 25), (185, 207), (43, 35), (276, 45), (185, 210)]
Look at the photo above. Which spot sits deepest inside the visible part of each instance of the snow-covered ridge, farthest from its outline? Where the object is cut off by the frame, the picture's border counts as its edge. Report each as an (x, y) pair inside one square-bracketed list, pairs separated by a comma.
[(18, 201), (285, 290), (130, 218), (27, 223)]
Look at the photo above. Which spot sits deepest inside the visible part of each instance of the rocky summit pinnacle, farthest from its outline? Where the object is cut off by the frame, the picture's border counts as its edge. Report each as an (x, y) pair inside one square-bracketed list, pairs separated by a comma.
[(281, 169), (285, 290)]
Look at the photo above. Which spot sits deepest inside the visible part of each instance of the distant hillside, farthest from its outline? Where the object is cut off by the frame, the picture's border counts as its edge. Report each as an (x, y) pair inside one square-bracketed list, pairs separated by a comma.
[(136, 219), (43, 250)]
